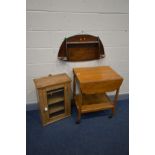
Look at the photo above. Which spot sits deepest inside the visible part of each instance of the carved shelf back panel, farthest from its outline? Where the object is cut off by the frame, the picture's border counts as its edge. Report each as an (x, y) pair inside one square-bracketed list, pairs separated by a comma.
[(81, 48)]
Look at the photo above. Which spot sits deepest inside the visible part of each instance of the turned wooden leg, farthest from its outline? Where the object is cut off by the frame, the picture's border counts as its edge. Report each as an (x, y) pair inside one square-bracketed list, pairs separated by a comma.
[(74, 88), (78, 117), (114, 102), (113, 112), (79, 109)]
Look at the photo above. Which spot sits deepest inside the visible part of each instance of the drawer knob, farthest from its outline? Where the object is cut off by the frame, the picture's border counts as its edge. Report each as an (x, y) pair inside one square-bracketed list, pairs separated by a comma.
[(46, 109)]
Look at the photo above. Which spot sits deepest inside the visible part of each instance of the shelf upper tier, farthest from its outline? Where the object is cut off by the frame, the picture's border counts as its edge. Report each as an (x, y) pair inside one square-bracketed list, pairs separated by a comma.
[(82, 42)]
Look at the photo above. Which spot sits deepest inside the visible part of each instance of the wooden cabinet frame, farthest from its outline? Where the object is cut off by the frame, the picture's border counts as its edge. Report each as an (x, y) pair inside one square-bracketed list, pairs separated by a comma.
[(54, 97)]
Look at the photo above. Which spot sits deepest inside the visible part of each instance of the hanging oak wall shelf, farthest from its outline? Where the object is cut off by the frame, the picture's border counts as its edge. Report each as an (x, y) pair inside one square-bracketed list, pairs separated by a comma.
[(81, 48)]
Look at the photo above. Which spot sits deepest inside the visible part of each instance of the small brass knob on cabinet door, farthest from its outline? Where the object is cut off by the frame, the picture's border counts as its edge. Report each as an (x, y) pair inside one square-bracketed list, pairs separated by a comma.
[(46, 109)]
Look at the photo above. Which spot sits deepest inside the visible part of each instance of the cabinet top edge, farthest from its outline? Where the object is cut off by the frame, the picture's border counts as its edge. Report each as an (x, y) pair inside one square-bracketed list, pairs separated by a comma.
[(51, 80)]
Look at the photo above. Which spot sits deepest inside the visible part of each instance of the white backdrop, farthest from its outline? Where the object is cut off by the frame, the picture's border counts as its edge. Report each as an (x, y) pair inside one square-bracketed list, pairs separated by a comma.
[(50, 21)]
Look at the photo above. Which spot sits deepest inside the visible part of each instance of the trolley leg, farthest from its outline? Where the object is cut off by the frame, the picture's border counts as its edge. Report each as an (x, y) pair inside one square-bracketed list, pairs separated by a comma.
[(113, 112), (78, 117)]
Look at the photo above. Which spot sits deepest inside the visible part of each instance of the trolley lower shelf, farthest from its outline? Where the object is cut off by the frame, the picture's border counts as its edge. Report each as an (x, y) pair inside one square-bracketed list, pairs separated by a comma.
[(92, 103)]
